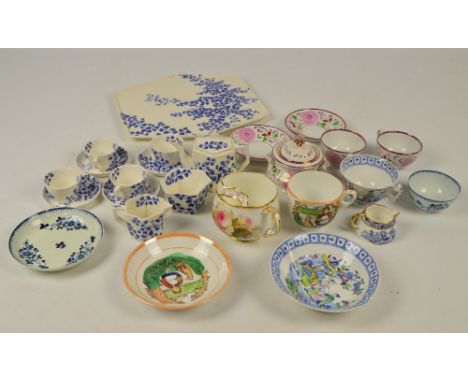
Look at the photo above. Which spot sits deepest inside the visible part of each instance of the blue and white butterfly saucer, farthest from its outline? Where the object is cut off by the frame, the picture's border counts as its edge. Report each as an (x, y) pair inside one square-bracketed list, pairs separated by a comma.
[(152, 187), (158, 167), (87, 192), (85, 165)]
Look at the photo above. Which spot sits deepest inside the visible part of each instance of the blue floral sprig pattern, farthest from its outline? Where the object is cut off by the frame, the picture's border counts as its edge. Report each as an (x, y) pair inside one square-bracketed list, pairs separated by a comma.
[(217, 170), (30, 254), (213, 145), (139, 127), (84, 250), (144, 230), (147, 200), (48, 178), (188, 204), (177, 175), (64, 223), (156, 163), (379, 237)]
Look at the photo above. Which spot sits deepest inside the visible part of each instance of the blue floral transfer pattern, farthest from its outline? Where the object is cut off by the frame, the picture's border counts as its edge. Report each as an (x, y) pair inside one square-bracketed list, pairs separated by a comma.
[(379, 237), (71, 223), (85, 249), (31, 256), (217, 170), (218, 106), (108, 192), (144, 230), (177, 175), (156, 163), (213, 145), (188, 204)]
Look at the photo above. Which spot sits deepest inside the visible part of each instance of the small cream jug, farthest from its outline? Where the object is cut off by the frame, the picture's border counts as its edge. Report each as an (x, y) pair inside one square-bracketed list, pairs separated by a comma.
[(376, 224)]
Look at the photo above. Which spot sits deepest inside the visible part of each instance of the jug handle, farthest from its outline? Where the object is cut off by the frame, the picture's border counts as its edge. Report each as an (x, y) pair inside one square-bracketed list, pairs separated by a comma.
[(352, 221), (273, 230)]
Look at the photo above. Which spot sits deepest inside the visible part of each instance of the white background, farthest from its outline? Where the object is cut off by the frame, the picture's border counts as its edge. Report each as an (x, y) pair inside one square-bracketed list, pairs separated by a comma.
[(52, 102)]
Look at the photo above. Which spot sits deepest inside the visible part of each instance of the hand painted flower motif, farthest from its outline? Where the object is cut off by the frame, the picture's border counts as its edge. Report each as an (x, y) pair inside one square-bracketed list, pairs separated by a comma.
[(237, 226), (309, 117), (246, 134)]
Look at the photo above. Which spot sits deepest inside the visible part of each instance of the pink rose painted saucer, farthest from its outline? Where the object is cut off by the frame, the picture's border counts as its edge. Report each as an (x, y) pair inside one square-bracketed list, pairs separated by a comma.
[(311, 123), (259, 137)]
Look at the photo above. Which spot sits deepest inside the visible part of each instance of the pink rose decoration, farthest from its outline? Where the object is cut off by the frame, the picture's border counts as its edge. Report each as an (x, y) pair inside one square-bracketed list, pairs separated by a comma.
[(309, 117), (246, 134), (248, 222), (222, 219), (333, 158)]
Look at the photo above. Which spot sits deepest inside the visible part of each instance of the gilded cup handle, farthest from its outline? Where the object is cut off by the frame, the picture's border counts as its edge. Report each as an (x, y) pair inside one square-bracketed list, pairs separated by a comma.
[(274, 229), (352, 221)]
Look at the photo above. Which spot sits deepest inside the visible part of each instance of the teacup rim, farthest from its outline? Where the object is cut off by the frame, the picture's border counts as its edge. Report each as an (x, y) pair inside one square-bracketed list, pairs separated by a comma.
[(160, 199), (166, 188), (439, 173), (221, 197), (347, 131), (399, 132), (79, 173), (330, 201), (376, 158)]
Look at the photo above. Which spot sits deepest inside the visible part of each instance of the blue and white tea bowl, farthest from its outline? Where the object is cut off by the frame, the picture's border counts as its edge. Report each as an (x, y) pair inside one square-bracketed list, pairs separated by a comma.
[(186, 189), (325, 272), (432, 191), (100, 157), (56, 239)]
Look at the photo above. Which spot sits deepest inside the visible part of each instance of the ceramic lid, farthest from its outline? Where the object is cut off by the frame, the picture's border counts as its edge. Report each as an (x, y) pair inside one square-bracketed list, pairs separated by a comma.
[(213, 145), (297, 153)]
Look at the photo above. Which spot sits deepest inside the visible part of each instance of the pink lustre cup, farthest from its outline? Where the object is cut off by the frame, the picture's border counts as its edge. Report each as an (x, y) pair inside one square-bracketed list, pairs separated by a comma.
[(398, 147), (339, 144)]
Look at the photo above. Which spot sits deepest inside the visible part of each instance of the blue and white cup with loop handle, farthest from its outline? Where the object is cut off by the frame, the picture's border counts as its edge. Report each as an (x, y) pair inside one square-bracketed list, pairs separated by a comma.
[(101, 154), (373, 178), (129, 181), (63, 184), (144, 216)]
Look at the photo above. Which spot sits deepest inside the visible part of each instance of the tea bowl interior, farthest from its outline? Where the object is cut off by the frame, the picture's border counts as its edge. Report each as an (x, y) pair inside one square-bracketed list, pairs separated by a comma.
[(176, 271), (343, 140), (434, 185), (369, 171), (56, 239), (399, 142), (325, 272)]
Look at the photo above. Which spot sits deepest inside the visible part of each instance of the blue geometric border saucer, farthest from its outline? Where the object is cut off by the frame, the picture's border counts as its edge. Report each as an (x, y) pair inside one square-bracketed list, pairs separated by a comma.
[(152, 187), (88, 191)]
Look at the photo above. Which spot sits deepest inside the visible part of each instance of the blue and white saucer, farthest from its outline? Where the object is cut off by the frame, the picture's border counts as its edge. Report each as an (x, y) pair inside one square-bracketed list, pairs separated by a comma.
[(152, 187), (88, 191), (158, 167), (85, 165)]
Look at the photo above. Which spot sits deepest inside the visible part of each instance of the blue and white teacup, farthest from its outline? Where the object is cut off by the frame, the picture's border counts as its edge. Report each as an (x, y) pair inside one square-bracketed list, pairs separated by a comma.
[(164, 153), (63, 184), (102, 154), (373, 178), (129, 181), (186, 189), (144, 216)]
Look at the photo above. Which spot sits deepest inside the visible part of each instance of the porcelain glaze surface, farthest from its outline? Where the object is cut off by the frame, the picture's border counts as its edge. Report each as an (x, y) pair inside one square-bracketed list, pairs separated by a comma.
[(151, 186), (101, 156), (398, 147), (311, 123), (372, 177), (56, 239), (259, 138), (188, 105), (186, 189), (338, 144), (376, 224), (177, 271), (432, 191), (325, 272)]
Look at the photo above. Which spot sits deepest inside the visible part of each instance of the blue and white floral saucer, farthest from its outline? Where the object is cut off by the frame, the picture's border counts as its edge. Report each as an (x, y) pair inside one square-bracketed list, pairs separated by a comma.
[(85, 165), (325, 272), (152, 187), (88, 191), (56, 239), (158, 167)]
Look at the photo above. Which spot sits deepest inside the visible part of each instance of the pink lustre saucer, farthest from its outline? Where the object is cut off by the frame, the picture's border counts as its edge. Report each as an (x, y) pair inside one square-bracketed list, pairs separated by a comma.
[(311, 123), (260, 138)]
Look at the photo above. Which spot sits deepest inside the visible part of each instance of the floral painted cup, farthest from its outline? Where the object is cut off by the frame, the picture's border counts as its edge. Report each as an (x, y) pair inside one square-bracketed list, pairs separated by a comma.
[(372, 177), (144, 216), (186, 189), (164, 153), (338, 144), (315, 197), (62, 183), (399, 148), (129, 180), (246, 206)]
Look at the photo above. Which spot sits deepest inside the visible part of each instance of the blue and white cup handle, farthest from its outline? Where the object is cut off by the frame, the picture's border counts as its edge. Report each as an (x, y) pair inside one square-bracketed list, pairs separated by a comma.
[(395, 191), (348, 198)]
